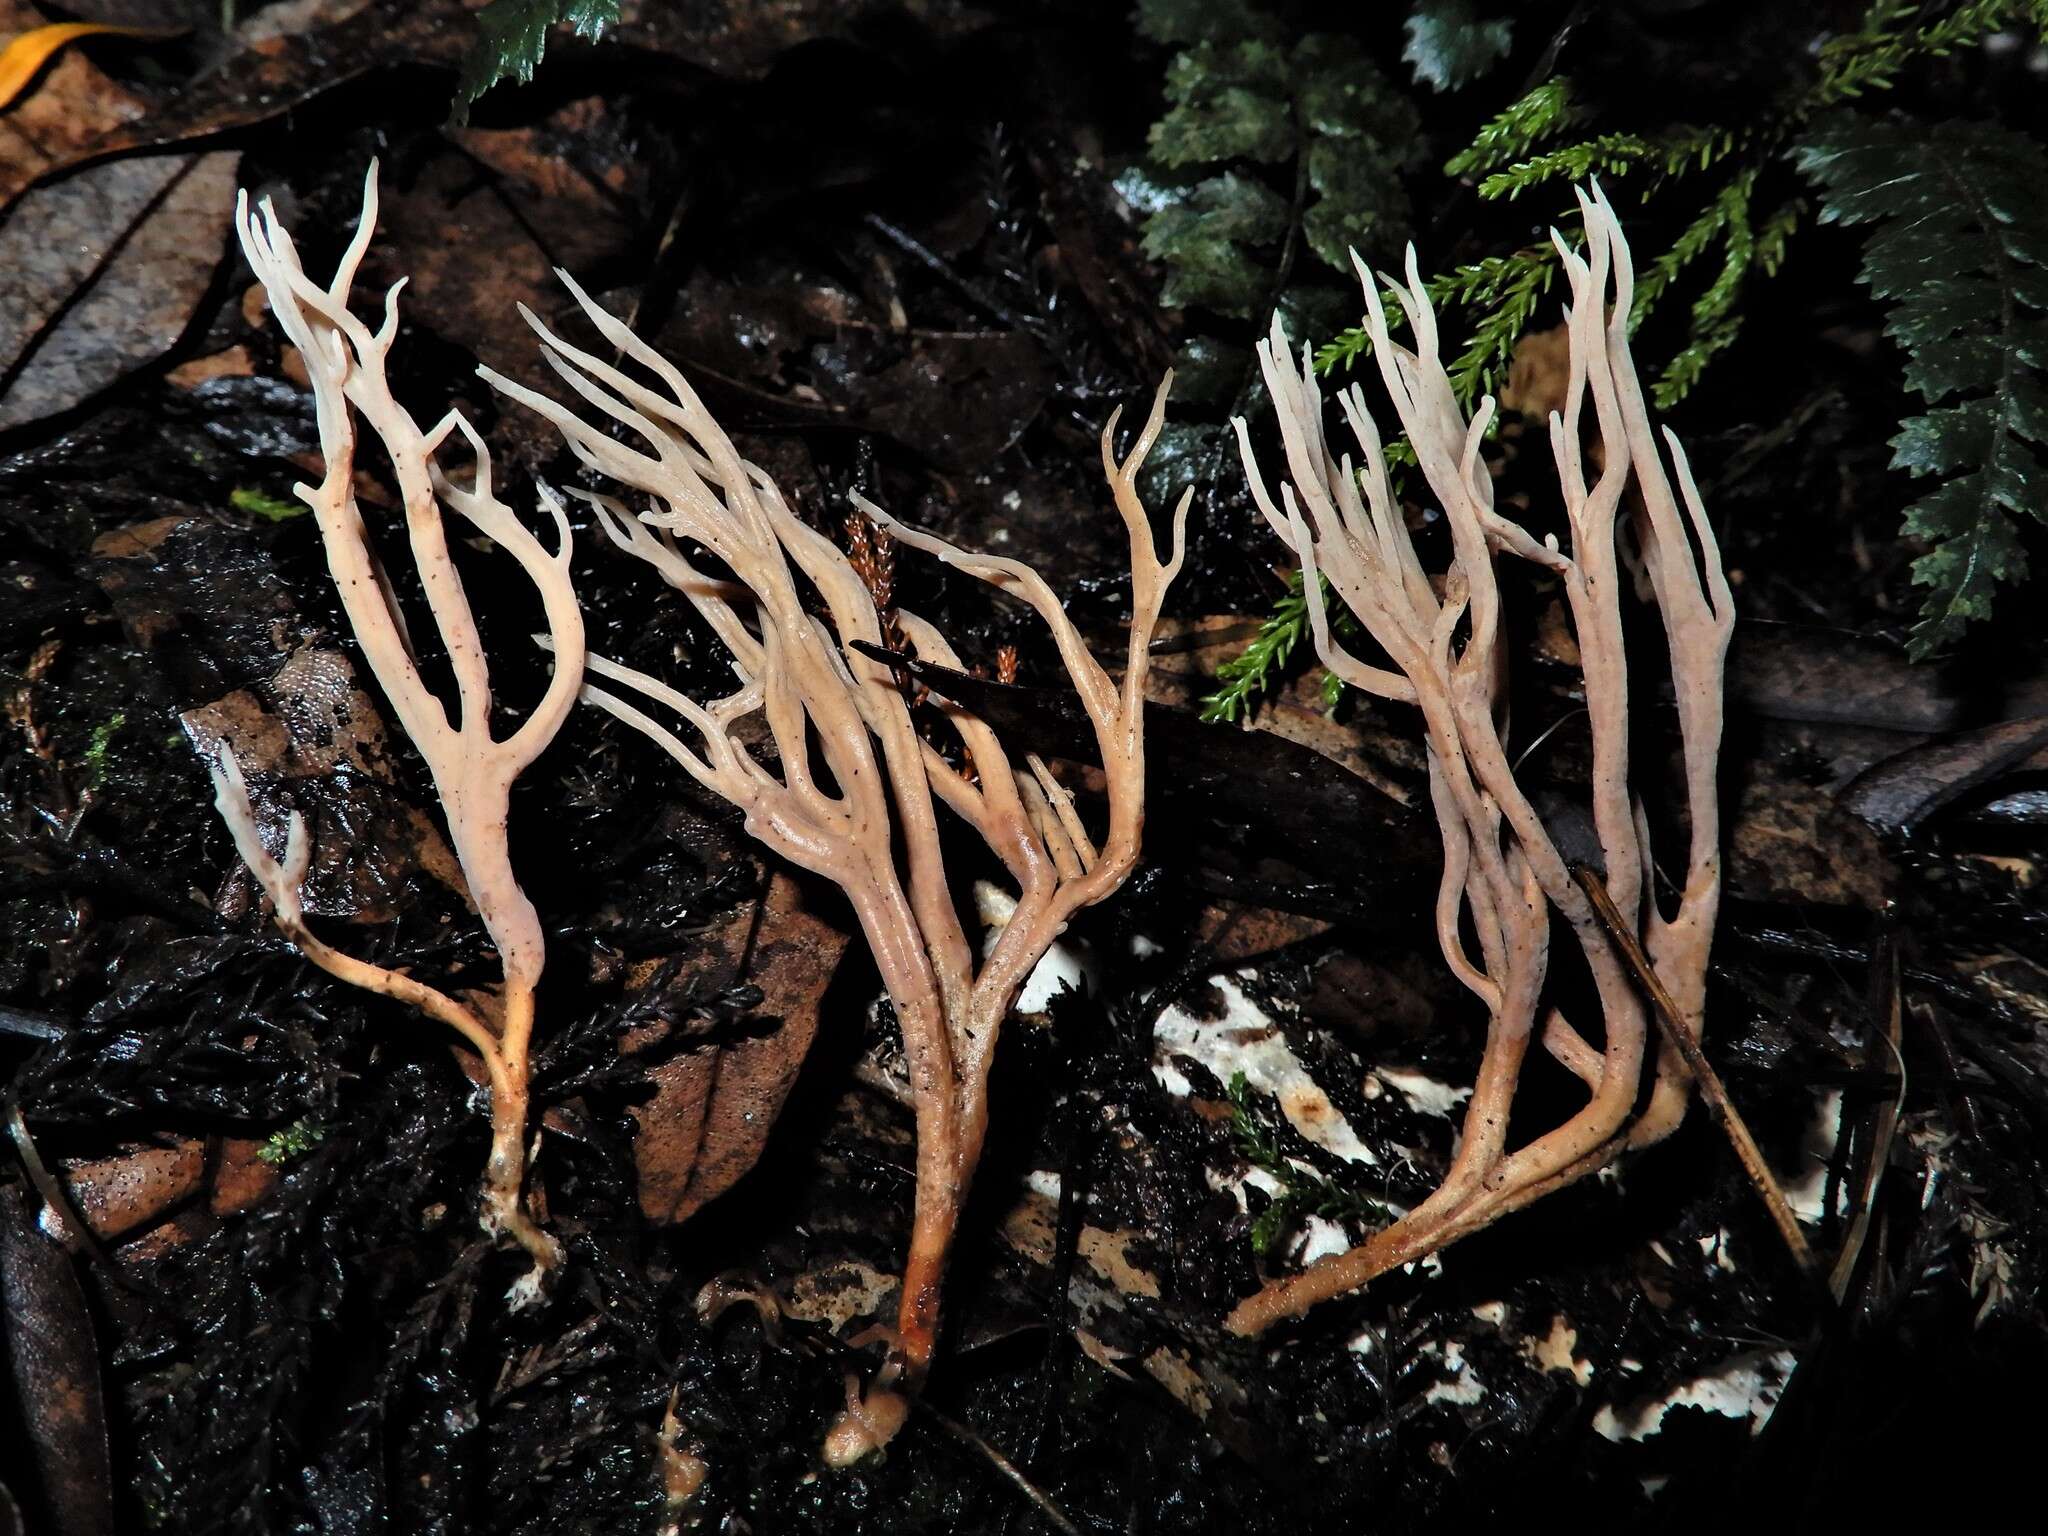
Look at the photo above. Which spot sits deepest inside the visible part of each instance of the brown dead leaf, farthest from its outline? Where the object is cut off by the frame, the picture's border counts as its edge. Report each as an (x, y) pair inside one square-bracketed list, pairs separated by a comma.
[(1829, 676), (1188, 653), (533, 207), (22, 60), (1236, 934), (131, 1189), (745, 40), (74, 104), (229, 363), (310, 720), (714, 1105), (567, 179), (100, 274), (839, 1295), (436, 228), (1904, 790), (55, 1364), (275, 71), (240, 1175), (198, 593), (1790, 841)]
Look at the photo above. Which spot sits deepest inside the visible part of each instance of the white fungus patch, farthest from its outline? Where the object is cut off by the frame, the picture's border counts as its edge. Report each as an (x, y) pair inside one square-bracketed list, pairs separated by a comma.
[(1745, 1386), (1320, 1238), (1461, 1384), (1245, 1040), (1425, 1094), (1558, 1350), (1061, 966), (1807, 1184), (1716, 1248)]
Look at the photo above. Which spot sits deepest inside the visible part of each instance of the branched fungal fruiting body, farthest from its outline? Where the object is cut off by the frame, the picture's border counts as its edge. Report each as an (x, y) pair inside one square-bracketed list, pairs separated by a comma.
[(472, 772), (854, 793), (1503, 875)]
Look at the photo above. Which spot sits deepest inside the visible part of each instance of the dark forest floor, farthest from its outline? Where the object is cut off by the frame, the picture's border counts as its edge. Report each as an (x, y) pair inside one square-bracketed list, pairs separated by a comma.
[(887, 244)]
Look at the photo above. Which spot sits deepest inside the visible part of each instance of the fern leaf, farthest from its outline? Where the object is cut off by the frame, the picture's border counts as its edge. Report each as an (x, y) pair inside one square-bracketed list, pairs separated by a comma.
[(1540, 115), (512, 35), (1241, 679), (1240, 107), (1450, 46), (1228, 102), (1959, 246), (1872, 57), (1206, 239)]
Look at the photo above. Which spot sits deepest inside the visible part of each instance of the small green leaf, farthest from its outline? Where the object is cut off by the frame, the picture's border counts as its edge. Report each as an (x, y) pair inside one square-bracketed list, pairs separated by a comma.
[(1270, 1228), (292, 1143), (1959, 239), (246, 499), (1541, 115), (1344, 94), (98, 748)]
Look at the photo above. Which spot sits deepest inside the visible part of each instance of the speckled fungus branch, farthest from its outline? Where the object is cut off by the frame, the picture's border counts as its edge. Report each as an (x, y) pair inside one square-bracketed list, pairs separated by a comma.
[(472, 771), (1503, 875), (853, 789)]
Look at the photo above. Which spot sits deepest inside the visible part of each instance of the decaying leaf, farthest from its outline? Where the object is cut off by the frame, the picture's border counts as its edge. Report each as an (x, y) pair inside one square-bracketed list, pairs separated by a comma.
[(56, 1370), (1789, 841), (23, 59), (1903, 791), (532, 214), (715, 1101), (279, 69), (100, 273), (73, 104), (120, 1194), (196, 591), (745, 40)]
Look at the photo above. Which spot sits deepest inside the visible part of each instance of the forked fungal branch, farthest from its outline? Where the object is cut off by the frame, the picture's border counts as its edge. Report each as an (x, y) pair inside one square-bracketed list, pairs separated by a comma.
[(1503, 874), (472, 771), (853, 791)]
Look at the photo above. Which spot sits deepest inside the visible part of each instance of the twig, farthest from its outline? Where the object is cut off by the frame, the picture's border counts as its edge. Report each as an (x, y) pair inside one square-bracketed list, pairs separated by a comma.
[(1713, 1093), (944, 271), (74, 1231), (1040, 1500), (1885, 1013), (37, 1026)]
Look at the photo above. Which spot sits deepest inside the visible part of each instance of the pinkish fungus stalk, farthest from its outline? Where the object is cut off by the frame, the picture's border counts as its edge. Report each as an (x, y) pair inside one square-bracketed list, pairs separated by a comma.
[(851, 789), (472, 771), (1503, 875)]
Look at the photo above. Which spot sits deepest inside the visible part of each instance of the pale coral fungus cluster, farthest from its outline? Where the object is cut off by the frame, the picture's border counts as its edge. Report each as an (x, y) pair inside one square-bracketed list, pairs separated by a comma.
[(849, 788), (1627, 517), (818, 744)]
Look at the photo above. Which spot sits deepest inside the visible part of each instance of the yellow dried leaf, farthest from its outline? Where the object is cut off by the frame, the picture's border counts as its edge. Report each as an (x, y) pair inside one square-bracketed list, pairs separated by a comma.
[(24, 58)]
